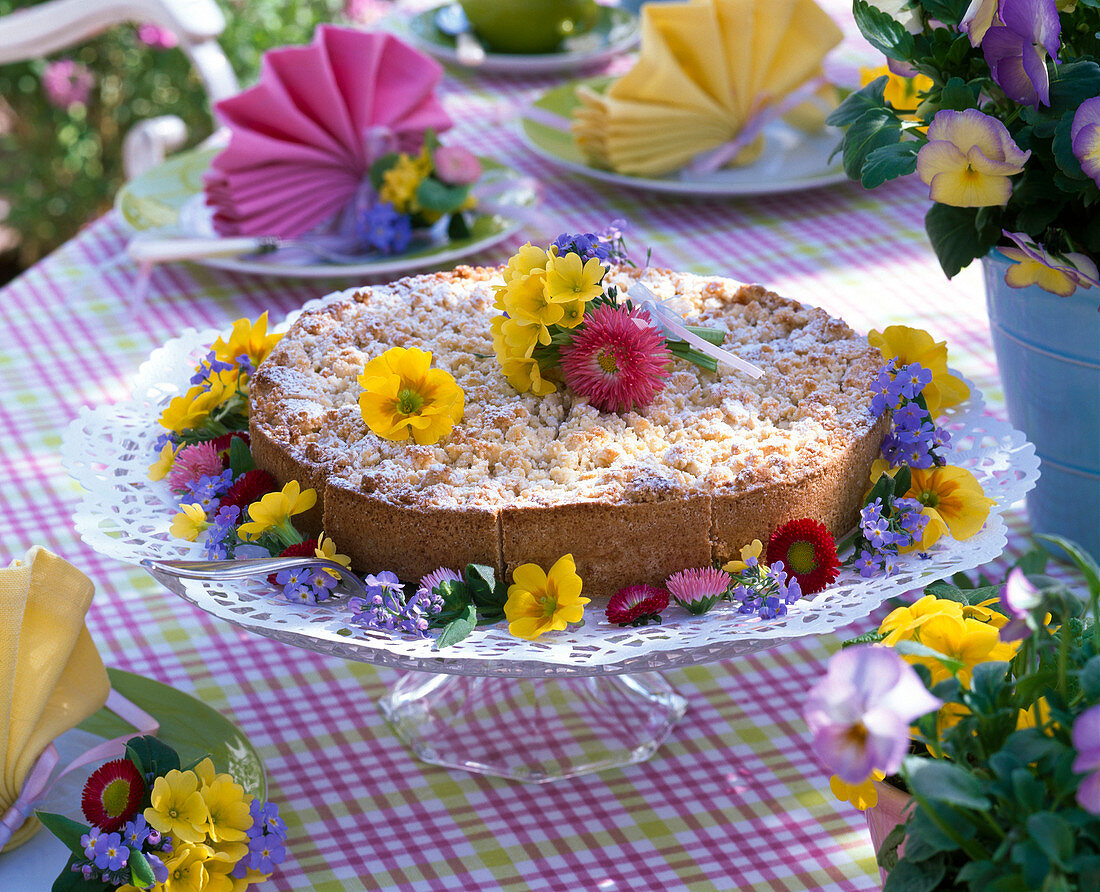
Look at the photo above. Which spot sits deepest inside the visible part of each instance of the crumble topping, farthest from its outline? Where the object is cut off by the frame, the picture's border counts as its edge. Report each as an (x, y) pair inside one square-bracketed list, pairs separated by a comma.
[(706, 432)]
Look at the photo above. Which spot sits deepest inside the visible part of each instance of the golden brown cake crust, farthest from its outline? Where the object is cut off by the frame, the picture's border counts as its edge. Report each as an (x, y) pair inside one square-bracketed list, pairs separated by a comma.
[(716, 460)]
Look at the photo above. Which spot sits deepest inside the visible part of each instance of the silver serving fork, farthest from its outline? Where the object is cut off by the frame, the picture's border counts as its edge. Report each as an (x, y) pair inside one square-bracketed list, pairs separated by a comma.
[(244, 569)]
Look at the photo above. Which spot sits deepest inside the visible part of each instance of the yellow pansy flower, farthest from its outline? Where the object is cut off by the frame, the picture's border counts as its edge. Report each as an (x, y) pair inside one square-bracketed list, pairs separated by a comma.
[(968, 159), (903, 622), (984, 613), (177, 808), (159, 469), (190, 523), (569, 279), (527, 260), (916, 345), (863, 795), (274, 510), (525, 374), (1036, 716), (968, 641), (543, 602), (752, 550), (247, 339), (404, 397)]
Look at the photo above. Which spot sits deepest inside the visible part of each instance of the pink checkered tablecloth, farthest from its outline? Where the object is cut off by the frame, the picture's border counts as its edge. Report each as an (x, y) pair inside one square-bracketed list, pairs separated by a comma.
[(733, 800)]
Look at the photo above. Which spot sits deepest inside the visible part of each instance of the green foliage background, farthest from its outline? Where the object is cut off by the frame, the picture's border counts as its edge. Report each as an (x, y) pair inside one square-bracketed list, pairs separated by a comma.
[(60, 169)]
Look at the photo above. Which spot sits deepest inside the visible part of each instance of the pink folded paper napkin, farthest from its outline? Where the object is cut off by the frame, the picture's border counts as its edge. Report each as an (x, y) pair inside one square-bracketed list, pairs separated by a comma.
[(303, 139)]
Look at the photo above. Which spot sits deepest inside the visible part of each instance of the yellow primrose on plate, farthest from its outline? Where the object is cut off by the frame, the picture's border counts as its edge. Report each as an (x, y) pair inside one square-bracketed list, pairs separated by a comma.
[(159, 469), (194, 407), (273, 512), (190, 523), (544, 602), (752, 550), (911, 345), (404, 397), (247, 339)]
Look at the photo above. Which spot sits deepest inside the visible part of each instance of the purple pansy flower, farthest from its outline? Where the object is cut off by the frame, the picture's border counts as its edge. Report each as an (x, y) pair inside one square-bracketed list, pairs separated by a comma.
[(860, 712), (1085, 136), (1071, 271), (1016, 51), (1086, 740), (1018, 598)]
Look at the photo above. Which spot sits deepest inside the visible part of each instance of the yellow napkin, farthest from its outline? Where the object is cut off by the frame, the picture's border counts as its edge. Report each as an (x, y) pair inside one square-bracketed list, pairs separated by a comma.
[(51, 675), (706, 68)]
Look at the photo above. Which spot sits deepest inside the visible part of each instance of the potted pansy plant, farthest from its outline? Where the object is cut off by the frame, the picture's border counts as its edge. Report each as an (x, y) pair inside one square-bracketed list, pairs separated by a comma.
[(968, 724), (995, 106)]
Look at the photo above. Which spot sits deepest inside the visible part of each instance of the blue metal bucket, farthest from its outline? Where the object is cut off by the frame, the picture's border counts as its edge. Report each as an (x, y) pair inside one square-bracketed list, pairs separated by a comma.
[(1048, 353)]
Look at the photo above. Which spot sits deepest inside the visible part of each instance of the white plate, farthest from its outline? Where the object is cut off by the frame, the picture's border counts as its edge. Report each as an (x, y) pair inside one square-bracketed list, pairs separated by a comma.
[(616, 32), (168, 200), (792, 159)]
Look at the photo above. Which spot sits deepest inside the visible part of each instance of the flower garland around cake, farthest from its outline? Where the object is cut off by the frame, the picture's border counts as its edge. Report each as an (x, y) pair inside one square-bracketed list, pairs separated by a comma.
[(156, 825), (237, 510)]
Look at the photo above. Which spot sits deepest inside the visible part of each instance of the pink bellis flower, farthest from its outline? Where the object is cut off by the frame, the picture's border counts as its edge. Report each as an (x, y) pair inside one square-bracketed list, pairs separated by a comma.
[(1060, 274), (1085, 137), (67, 83), (1018, 598), (456, 166), (1016, 51), (860, 712), (968, 159), (1086, 740)]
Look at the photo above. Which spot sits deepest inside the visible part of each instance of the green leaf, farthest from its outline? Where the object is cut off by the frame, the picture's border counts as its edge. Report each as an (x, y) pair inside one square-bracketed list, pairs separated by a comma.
[(946, 591), (1028, 790), (867, 638), (887, 854), (874, 129), (915, 876), (458, 628), (903, 479), (883, 489), (141, 872), (884, 33), (989, 681), (434, 195), (240, 457), (944, 782), (1033, 861), (954, 236), (458, 229), (65, 829), (1072, 83), (152, 755), (1088, 567), (921, 825), (916, 649), (480, 577), (456, 598), (1034, 562), (1063, 150), (958, 95), (1090, 679), (855, 104), (888, 163), (379, 167), (73, 881), (1032, 745)]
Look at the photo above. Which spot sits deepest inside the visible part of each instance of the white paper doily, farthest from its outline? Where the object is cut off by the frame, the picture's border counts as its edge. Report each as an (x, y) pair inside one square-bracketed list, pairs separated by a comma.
[(126, 516)]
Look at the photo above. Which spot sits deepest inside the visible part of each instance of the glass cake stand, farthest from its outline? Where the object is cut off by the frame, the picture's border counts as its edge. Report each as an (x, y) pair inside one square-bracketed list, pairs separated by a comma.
[(572, 702)]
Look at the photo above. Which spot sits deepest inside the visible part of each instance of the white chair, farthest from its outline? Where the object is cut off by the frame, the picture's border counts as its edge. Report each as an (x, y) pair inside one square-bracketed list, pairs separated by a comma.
[(52, 26)]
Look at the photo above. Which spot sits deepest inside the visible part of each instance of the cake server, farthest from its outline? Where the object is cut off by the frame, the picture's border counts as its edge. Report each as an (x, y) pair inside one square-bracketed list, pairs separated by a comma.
[(243, 569)]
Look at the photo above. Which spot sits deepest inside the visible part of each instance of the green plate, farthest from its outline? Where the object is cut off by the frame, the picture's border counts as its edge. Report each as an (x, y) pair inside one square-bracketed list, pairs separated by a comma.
[(192, 728), (163, 200), (793, 159), (616, 31)]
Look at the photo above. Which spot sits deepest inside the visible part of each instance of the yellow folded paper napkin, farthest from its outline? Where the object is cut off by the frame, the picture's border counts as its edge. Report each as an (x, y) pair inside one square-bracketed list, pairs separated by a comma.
[(707, 69), (51, 675)]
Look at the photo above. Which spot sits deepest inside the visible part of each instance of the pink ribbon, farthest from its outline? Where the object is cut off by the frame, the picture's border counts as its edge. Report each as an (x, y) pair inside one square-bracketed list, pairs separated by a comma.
[(38, 782)]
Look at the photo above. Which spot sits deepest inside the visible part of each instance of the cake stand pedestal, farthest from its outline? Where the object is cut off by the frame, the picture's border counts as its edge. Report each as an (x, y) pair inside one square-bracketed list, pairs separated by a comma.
[(532, 729)]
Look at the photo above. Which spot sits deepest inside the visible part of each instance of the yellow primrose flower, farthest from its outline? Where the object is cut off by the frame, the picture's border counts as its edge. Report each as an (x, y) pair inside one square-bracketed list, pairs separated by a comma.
[(952, 499), (527, 260), (190, 523), (400, 182), (863, 795), (904, 622), (569, 279), (275, 509), (968, 159), (247, 339), (752, 550), (512, 340), (177, 808), (186, 869), (903, 93), (524, 374), (525, 301), (543, 602), (194, 407), (159, 469), (916, 345), (226, 802), (326, 549), (404, 397), (966, 640), (219, 878), (1035, 716)]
